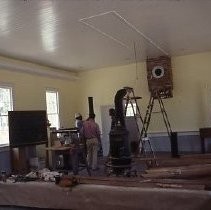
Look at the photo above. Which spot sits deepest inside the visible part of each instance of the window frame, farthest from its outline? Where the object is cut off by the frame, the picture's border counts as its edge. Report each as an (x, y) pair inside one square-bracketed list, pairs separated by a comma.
[(11, 90), (53, 90)]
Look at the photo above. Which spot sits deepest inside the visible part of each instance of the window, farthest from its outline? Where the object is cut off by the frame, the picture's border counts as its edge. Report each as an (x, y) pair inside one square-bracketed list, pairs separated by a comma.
[(52, 102), (6, 104), (131, 109)]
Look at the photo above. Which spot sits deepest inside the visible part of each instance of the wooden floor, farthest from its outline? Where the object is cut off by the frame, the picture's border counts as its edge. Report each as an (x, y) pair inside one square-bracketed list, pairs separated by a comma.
[(191, 171), (176, 184)]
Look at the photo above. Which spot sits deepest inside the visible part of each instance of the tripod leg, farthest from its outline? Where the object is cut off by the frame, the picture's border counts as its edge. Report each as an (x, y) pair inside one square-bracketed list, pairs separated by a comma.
[(87, 167), (153, 153), (126, 105), (85, 161)]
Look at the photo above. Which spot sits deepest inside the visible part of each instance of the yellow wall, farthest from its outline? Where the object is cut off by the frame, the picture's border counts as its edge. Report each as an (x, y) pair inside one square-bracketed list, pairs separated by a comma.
[(29, 93), (187, 110)]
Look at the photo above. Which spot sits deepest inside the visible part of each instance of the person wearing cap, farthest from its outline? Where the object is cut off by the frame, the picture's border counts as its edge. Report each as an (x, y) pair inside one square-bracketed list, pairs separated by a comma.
[(76, 151), (91, 133), (78, 121)]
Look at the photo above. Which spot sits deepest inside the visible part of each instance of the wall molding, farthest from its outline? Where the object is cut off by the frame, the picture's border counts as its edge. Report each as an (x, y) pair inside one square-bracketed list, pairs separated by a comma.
[(179, 133), (4, 148), (32, 68)]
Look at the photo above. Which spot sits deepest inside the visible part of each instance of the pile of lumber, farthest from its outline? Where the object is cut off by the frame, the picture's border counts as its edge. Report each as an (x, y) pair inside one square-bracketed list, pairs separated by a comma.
[(186, 172), (185, 160), (187, 166), (137, 182), (191, 171)]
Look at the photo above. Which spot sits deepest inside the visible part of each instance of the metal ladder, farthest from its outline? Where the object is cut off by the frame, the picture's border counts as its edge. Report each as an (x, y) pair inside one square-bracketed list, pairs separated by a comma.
[(149, 156), (156, 96), (149, 112)]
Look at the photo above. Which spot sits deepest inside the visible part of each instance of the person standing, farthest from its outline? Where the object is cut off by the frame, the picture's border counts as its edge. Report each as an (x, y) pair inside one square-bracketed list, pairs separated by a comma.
[(91, 133), (76, 151), (78, 121)]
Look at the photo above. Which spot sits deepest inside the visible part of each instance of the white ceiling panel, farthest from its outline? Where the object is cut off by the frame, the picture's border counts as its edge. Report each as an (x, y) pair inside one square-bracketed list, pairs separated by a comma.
[(78, 35)]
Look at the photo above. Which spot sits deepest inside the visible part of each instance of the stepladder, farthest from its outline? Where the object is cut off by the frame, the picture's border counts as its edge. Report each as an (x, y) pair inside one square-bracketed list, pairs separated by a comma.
[(145, 149), (156, 96), (149, 111)]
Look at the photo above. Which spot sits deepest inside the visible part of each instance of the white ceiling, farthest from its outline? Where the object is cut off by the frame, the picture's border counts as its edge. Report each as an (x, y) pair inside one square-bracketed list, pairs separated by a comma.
[(78, 35)]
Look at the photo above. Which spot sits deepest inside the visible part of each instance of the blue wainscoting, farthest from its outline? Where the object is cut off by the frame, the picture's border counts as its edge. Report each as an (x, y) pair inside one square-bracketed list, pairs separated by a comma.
[(5, 163), (188, 142)]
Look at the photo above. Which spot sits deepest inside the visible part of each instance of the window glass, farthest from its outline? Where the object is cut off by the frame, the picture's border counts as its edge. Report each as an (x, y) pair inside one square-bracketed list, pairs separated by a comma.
[(5, 106), (131, 109), (52, 103)]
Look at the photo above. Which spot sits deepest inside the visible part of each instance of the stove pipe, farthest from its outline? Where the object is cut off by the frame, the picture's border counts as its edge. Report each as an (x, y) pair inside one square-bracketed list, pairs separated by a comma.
[(120, 154), (118, 100), (91, 107)]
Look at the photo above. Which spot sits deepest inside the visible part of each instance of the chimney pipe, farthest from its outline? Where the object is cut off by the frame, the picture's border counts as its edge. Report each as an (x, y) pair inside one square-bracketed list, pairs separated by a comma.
[(91, 107)]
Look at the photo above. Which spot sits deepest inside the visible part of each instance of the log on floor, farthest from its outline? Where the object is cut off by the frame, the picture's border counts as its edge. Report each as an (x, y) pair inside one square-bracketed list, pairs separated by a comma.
[(135, 182), (179, 172), (185, 160)]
